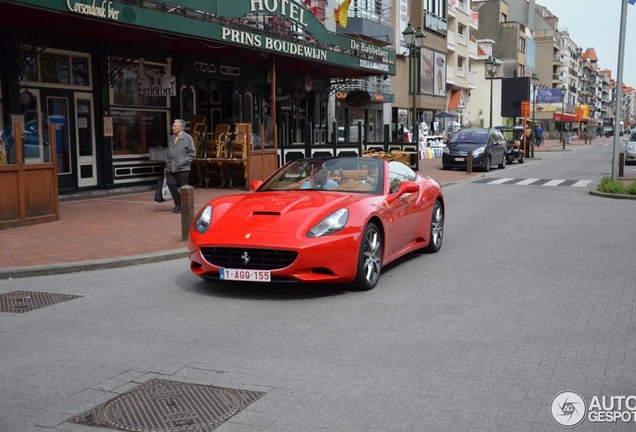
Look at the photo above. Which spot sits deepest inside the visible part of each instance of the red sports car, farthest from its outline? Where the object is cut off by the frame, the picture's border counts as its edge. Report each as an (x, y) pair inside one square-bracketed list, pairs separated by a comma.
[(335, 220)]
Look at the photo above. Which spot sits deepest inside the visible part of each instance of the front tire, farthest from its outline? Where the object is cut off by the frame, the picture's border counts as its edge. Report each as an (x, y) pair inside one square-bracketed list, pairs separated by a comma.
[(437, 228), (487, 165), (502, 165), (369, 259)]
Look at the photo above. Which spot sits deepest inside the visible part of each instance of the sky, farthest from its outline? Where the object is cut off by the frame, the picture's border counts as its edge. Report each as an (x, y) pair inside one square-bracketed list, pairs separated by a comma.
[(596, 24)]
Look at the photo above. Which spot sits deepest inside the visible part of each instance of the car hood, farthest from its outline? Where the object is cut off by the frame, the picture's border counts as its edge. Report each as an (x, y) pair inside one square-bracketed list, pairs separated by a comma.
[(464, 147), (276, 212)]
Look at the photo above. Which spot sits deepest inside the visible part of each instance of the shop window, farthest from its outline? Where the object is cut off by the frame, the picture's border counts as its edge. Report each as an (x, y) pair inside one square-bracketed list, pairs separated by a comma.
[(139, 122), (135, 131), (126, 92)]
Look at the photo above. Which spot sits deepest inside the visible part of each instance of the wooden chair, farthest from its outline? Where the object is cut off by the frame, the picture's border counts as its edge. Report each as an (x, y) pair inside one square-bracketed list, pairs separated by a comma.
[(198, 134), (217, 146)]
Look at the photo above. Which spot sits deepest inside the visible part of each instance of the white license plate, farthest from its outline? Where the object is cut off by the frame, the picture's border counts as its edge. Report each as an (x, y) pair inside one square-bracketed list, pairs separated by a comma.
[(245, 275), (459, 159)]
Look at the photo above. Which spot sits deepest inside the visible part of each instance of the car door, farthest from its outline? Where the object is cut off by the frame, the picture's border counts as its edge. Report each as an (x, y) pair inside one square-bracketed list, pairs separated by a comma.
[(501, 145)]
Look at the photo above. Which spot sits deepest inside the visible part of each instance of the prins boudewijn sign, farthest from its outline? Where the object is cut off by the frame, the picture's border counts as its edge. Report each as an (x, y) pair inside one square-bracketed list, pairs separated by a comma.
[(100, 9)]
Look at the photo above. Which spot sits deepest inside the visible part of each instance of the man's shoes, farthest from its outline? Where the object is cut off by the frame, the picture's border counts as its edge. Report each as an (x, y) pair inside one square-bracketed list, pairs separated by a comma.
[(176, 209)]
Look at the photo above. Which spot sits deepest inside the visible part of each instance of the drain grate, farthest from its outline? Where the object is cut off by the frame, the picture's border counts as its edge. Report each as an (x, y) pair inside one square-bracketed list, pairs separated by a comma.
[(169, 406), (25, 301)]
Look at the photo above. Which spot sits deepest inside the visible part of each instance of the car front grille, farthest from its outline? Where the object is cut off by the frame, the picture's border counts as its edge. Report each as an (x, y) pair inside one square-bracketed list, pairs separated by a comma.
[(246, 258)]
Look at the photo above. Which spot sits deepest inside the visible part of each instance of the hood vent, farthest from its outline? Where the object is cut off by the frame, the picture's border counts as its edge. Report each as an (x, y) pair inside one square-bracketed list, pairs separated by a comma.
[(266, 213)]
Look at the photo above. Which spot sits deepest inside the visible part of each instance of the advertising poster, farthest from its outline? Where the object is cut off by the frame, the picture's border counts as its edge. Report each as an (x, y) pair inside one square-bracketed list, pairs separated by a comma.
[(440, 74), (427, 79)]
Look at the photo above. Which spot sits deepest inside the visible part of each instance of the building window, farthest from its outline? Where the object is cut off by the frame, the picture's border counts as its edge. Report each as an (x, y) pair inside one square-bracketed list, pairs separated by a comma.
[(139, 122), (55, 67), (522, 45), (436, 8), (461, 34)]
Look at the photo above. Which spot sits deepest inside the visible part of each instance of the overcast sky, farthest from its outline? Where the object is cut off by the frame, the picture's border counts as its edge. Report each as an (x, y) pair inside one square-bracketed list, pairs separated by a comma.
[(596, 24)]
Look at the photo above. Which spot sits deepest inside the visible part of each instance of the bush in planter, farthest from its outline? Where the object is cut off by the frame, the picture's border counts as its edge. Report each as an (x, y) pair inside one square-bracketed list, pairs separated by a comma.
[(610, 186)]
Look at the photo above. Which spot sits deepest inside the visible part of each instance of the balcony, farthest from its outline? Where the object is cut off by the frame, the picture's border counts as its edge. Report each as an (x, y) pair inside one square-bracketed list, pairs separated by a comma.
[(461, 72), (364, 22), (450, 74), (435, 24), (472, 80), (450, 40), (472, 50), (557, 60), (461, 39)]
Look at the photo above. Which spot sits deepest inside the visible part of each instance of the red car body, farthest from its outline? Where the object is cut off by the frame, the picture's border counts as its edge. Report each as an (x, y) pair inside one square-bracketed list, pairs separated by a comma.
[(270, 226)]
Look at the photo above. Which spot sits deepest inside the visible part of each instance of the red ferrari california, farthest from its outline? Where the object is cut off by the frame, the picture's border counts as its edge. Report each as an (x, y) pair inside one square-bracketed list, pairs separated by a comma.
[(336, 220)]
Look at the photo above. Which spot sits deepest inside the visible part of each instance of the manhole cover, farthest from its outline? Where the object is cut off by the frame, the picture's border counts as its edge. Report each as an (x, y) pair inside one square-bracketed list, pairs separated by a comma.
[(169, 406), (25, 301)]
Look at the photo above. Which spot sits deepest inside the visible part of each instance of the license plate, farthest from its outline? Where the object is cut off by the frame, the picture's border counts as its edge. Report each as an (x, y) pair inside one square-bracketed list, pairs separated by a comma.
[(245, 275), (459, 159)]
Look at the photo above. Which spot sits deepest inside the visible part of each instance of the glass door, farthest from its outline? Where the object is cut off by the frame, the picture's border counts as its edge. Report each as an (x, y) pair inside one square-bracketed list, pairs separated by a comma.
[(85, 139), (58, 104)]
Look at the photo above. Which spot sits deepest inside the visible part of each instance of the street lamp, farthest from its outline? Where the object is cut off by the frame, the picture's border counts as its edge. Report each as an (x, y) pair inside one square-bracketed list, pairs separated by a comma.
[(563, 90), (414, 41), (535, 81), (492, 65)]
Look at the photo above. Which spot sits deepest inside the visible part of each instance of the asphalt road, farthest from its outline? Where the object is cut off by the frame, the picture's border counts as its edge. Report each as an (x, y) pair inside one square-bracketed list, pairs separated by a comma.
[(533, 293)]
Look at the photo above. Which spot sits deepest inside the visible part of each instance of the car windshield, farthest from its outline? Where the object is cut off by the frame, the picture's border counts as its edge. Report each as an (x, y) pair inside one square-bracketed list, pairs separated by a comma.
[(470, 136), (359, 175)]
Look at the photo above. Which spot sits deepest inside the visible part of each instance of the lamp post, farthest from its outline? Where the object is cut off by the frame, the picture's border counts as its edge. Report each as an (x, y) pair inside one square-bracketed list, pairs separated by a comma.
[(492, 65), (414, 41), (563, 90), (535, 81)]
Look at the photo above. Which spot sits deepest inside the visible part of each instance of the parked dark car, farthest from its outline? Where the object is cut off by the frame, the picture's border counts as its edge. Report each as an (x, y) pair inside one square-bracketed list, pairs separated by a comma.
[(488, 147)]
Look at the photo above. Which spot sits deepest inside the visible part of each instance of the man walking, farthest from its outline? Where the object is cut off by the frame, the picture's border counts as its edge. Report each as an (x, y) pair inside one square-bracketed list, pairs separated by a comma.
[(538, 134), (179, 156)]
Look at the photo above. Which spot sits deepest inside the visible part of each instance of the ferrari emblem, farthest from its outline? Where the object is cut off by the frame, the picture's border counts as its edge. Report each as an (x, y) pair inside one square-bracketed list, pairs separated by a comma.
[(247, 235), (245, 258)]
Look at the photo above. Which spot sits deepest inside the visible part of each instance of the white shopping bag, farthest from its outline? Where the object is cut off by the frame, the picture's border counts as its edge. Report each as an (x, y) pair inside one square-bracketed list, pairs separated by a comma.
[(165, 191)]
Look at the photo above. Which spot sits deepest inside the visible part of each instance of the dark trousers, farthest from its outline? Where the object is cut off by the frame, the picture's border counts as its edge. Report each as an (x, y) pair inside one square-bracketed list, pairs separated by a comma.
[(175, 181)]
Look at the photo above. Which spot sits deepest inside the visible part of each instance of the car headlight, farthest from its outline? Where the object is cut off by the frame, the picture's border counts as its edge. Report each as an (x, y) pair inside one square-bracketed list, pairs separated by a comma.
[(631, 148), (331, 224), (478, 151), (202, 222), (446, 150)]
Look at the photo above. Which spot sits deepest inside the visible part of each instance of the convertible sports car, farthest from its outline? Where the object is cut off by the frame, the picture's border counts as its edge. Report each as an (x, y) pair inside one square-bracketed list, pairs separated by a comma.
[(335, 220)]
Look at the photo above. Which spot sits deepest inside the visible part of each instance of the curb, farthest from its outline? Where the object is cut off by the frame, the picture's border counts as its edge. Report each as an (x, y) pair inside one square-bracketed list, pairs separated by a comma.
[(107, 263), (612, 195)]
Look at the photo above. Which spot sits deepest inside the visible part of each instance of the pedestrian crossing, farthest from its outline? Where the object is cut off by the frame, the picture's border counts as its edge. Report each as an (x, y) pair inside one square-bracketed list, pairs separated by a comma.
[(533, 182)]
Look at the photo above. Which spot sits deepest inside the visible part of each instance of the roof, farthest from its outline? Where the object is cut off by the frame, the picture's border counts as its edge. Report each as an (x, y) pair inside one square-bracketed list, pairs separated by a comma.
[(590, 54)]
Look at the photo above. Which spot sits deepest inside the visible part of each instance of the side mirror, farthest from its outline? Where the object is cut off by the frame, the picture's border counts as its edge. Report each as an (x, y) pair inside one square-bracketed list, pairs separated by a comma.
[(405, 187), (255, 184)]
